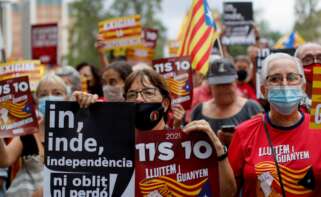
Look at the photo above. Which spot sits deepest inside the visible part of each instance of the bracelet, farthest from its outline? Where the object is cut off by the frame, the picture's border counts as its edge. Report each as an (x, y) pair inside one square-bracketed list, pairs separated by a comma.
[(224, 155)]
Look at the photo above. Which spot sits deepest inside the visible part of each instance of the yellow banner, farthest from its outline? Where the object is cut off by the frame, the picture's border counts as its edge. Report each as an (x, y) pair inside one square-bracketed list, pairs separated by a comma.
[(121, 32), (315, 122), (31, 68)]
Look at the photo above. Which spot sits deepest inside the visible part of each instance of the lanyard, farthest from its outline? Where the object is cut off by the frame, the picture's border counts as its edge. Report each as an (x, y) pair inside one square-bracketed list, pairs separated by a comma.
[(274, 156)]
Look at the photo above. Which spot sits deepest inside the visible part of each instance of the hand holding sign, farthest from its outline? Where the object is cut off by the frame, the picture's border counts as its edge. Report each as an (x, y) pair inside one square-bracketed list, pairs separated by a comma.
[(203, 126), (84, 99), (179, 114)]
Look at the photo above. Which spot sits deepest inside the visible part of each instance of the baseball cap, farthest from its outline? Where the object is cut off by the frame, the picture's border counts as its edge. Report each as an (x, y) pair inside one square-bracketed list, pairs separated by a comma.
[(221, 71)]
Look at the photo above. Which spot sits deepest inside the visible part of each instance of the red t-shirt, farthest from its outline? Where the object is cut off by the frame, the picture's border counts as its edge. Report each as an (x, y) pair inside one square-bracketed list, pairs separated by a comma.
[(298, 150), (200, 94), (246, 91)]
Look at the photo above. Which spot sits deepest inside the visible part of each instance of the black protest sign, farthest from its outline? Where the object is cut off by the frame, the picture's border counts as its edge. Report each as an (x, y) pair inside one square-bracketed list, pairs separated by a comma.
[(238, 19), (89, 152), (237, 12), (289, 51)]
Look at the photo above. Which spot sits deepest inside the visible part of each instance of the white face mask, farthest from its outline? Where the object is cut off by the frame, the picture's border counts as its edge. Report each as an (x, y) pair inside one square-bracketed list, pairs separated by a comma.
[(113, 93), (69, 90)]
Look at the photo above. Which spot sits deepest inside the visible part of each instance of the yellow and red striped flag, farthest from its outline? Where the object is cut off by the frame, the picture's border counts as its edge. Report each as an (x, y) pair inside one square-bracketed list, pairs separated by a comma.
[(198, 32)]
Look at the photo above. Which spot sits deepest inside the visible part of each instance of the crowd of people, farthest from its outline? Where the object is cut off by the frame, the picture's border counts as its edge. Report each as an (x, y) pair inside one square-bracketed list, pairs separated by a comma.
[(268, 139)]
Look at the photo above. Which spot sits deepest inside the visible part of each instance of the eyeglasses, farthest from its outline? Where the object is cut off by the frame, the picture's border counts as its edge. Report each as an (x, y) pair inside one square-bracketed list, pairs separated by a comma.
[(146, 93), (291, 78), (310, 59)]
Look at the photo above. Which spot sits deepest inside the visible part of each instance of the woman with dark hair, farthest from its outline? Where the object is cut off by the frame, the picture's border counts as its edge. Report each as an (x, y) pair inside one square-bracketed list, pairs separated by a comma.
[(147, 86), (113, 80), (150, 93), (91, 74)]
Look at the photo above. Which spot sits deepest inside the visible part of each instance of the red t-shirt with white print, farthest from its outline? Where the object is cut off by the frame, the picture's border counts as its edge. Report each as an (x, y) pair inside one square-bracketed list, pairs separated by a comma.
[(298, 151)]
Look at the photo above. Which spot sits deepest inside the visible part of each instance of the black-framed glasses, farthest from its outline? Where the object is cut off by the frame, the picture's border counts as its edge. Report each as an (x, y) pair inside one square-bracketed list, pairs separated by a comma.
[(310, 59), (146, 93), (291, 78)]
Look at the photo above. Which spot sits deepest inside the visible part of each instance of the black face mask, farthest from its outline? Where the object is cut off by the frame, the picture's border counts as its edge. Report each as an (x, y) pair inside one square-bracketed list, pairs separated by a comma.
[(242, 75), (148, 115)]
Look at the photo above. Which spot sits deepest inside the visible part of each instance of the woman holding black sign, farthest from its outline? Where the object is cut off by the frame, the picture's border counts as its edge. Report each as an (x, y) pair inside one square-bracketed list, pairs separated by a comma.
[(148, 89)]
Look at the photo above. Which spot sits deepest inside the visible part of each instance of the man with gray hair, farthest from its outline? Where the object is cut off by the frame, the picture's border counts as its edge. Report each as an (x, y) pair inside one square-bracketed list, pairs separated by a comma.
[(309, 54), (71, 77)]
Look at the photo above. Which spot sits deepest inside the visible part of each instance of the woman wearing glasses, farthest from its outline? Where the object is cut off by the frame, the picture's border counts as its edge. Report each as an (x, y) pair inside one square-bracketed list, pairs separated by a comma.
[(277, 154), (147, 86)]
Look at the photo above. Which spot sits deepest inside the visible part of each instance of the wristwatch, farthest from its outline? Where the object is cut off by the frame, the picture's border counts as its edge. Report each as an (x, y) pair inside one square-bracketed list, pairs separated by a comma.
[(224, 155)]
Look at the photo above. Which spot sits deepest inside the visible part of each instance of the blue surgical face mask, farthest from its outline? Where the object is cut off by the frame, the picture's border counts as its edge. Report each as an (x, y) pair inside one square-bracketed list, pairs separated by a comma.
[(285, 99), (42, 102)]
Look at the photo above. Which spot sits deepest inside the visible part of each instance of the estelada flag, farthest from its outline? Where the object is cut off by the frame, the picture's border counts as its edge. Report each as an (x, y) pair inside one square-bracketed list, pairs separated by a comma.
[(289, 40), (315, 120), (198, 32)]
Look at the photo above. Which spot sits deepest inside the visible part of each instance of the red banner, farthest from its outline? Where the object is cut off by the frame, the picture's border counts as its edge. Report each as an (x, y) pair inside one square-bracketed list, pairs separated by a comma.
[(17, 110), (171, 163), (177, 72), (150, 37), (146, 51), (44, 43)]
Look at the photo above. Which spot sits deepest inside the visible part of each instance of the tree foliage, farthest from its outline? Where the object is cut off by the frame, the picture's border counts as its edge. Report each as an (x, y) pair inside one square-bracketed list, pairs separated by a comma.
[(84, 15), (308, 19)]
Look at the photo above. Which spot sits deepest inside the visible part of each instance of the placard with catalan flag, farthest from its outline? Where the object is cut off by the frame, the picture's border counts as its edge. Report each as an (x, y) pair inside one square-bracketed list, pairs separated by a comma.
[(121, 32), (316, 98), (31, 68), (172, 163), (146, 51), (177, 72), (17, 110)]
